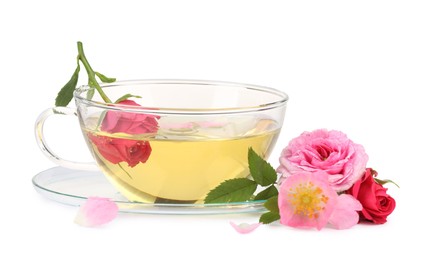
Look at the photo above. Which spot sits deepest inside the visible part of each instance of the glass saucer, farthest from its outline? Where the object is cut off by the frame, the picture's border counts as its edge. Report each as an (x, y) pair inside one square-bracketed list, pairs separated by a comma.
[(73, 187)]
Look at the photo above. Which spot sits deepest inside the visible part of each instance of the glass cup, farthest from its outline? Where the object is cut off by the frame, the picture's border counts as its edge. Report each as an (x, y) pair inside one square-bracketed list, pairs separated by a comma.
[(177, 142)]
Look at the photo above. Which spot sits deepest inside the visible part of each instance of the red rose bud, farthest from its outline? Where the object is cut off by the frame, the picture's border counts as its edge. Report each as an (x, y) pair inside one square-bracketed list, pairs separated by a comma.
[(377, 204)]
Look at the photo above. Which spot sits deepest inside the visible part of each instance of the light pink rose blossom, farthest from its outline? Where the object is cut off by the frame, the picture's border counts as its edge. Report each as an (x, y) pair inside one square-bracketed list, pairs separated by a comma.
[(325, 151), (306, 200), (96, 211)]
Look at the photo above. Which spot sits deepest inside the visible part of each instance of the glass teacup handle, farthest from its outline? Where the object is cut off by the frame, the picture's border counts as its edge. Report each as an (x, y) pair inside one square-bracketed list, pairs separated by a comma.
[(47, 151)]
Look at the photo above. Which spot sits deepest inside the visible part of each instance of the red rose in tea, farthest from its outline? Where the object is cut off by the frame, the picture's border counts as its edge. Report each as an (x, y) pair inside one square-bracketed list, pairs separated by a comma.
[(129, 123), (117, 150)]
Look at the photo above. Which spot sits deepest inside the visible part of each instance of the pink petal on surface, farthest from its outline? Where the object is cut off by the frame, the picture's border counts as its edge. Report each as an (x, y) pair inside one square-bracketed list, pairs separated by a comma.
[(244, 228), (96, 211), (345, 214)]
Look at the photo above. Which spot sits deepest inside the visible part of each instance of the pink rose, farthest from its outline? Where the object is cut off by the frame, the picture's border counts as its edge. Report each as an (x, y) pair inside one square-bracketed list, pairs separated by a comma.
[(376, 203), (307, 200), (325, 151), (130, 123)]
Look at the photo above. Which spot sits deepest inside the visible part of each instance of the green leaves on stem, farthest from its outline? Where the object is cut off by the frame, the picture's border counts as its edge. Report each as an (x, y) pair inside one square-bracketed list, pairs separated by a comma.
[(260, 170), (104, 78), (234, 190), (243, 189), (65, 95), (380, 181), (267, 193), (273, 211), (385, 181)]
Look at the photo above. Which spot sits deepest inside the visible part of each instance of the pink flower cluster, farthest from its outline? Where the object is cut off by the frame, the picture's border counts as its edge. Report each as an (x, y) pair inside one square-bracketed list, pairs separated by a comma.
[(324, 180)]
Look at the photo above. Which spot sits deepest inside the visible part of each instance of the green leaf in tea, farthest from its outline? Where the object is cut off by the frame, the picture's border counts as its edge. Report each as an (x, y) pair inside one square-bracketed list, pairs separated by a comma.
[(267, 193), (66, 93), (262, 172), (233, 190), (104, 78)]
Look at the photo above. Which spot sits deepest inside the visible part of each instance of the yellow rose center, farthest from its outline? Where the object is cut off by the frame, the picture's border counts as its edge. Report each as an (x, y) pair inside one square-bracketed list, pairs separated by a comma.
[(307, 200)]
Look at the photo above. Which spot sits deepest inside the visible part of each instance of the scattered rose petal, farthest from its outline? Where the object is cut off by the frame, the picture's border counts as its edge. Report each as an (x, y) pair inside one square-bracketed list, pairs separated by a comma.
[(345, 214), (96, 211), (244, 228)]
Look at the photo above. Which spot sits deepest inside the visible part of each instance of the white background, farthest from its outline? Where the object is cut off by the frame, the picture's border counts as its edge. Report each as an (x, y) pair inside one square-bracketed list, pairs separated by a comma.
[(355, 66)]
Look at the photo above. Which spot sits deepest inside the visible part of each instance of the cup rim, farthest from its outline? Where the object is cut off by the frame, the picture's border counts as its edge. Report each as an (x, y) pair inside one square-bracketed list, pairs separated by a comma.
[(282, 98)]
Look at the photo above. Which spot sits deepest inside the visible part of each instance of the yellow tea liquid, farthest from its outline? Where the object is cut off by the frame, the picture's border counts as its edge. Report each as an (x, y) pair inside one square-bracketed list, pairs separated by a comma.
[(184, 166)]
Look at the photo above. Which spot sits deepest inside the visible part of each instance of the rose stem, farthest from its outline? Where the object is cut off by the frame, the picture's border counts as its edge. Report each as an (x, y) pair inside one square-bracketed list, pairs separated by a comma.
[(91, 73)]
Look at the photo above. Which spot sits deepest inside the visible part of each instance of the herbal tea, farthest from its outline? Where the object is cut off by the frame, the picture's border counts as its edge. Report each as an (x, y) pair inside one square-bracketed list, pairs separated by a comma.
[(181, 162)]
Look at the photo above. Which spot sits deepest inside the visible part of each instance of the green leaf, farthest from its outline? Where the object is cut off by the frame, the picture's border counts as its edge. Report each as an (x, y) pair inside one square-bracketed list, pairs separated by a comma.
[(382, 182), (66, 93), (267, 193), (104, 78), (269, 217), (272, 205), (127, 96), (274, 212), (234, 190), (262, 172)]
